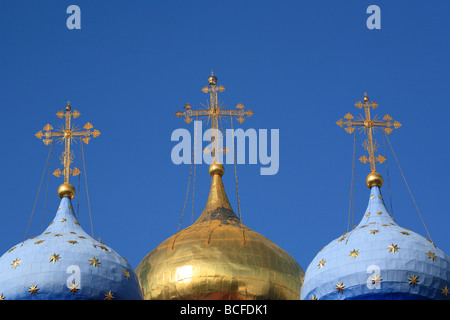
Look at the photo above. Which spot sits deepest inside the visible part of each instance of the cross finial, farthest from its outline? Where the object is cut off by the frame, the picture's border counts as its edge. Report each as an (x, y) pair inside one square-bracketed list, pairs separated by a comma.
[(214, 112), (368, 125), (67, 134)]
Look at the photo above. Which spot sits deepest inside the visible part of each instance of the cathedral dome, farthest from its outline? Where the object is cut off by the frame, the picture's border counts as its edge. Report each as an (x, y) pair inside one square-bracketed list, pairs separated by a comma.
[(219, 258), (378, 259), (65, 263)]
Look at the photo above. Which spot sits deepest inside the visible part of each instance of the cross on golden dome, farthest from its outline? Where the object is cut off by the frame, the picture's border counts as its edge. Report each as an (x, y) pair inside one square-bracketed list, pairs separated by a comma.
[(67, 133), (214, 111), (368, 125)]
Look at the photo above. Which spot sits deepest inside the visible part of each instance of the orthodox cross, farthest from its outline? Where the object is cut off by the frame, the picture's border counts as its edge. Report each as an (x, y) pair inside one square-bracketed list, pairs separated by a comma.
[(214, 112), (368, 125), (67, 133)]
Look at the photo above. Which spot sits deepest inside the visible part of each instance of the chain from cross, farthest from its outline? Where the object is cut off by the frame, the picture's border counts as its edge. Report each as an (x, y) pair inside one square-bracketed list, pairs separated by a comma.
[(369, 125), (67, 133), (214, 112)]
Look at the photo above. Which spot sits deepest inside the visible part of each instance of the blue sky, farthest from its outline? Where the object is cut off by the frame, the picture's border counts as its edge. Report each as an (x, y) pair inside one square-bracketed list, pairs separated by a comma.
[(298, 65)]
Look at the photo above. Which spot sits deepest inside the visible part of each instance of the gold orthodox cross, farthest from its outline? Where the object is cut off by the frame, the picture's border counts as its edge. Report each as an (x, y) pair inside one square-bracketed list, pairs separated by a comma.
[(67, 134), (368, 125), (214, 112)]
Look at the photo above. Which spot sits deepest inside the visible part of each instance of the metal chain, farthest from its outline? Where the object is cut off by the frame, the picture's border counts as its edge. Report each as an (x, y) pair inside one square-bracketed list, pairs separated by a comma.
[(352, 188), (407, 186), (235, 175), (87, 191), (39, 190)]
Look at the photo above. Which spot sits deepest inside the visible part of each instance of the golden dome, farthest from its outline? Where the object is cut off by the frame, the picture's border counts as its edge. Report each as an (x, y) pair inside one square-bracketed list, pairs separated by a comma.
[(219, 258)]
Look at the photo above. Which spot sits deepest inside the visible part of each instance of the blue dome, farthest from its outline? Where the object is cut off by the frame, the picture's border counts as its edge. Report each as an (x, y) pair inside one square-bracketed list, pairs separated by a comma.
[(65, 263), (378, 259)]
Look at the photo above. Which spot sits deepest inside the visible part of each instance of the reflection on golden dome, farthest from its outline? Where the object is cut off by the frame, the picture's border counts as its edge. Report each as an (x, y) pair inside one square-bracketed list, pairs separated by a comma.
[(218, 258)]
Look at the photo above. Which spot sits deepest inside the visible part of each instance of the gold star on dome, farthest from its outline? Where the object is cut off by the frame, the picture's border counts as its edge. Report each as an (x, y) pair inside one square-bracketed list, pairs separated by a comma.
[(374, 231), (74, 288), (39, 241), (109, 295), (354, 253), (57, 235), (63, 220), (72, 241), (2, 297), (393, 248), (444, 291), (340, 287), (431, 255), (94, 262), (413, 280), (376, 279), (126, 273), (33, 289), (103, 247), (313, 297), (15, 263), (54, 258), (322, 263), (367, 214), (379, 212)]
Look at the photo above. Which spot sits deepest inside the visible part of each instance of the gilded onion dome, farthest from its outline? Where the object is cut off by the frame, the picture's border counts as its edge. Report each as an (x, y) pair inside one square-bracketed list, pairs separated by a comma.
[(218, 258)]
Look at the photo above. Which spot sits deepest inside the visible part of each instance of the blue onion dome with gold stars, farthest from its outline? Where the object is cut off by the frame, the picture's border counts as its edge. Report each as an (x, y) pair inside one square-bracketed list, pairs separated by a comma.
[(378, 259), (64, 262)]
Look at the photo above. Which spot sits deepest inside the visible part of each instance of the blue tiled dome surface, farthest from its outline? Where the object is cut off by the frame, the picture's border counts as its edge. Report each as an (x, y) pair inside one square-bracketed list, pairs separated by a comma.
[(65, 263), (378, 259)]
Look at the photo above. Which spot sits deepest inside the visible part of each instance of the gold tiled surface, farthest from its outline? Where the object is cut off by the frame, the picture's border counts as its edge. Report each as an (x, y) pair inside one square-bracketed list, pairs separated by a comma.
[(224, 268), (210, 260)]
